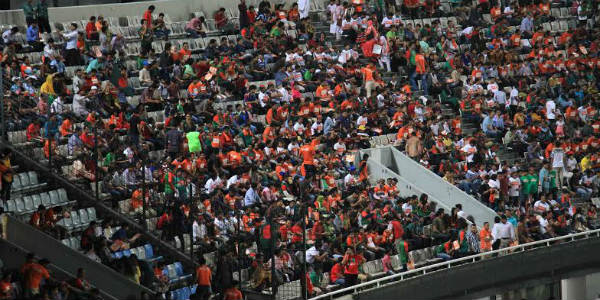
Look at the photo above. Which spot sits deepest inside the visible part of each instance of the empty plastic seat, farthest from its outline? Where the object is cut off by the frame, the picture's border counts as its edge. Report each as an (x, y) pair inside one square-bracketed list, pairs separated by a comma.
[(54, 199), (16, 184), (36, 200), (11, 206), (66, 242), (75, 243), (62, 194), (20, 205), (83, 216), (91, 214), (149, 251), (24, 178), (75, 219), (28, 202)]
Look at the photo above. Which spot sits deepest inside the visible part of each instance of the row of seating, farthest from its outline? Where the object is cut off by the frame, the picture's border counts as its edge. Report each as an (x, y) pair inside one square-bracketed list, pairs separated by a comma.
[(183, 293), (175, 273), (29, 204), (79, 219), (145, 252), (26, 182), (423, 257)]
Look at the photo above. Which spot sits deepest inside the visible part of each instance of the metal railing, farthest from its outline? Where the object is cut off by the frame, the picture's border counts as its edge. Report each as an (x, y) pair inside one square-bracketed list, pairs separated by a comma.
[(387, 280)]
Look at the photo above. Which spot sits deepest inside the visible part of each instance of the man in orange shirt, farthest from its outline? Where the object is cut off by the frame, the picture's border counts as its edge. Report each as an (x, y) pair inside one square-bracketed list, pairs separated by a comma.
[(485, 238), (368, 77), (33, 274), (420, 72), (308, 152), (204, 278)]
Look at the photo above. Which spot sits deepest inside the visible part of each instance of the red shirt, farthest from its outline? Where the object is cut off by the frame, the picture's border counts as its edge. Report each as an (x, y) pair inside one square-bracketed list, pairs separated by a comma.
[(352, 264), (148, 18), (335, 273), (89, 28)]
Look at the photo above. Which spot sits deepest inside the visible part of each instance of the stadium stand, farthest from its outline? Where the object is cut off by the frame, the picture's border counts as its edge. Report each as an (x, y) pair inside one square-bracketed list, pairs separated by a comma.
[(235, 135)]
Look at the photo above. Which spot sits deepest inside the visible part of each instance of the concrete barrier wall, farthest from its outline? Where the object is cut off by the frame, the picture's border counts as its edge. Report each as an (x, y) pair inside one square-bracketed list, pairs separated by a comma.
[(413, 179), (178, 10)]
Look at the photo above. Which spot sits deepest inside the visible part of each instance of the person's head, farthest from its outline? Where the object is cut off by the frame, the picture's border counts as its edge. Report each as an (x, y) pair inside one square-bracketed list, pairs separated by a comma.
[(503, 219), (93, 19), (486, 225), (473, 228), (73, 26), (44, 262), (151, 8)]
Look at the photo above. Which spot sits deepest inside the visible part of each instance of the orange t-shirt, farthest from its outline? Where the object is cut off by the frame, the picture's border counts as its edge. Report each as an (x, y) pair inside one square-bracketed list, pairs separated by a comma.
[(203, 274), (368, 72), (34, 274), (420, 62), (308, 153)]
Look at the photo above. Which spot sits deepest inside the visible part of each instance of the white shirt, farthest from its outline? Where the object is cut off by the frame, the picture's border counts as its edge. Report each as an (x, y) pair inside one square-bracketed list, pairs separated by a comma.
[(71, 38), (311, 253), (515, 186), (550, 110), (198, 231), (505, 231), (543, 224), (540, 207), (470, 150)]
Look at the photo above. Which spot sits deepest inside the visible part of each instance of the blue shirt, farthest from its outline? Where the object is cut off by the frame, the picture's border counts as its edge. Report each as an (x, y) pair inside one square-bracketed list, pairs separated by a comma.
[(526, 25), (487, 122), (250, 198), (32, 33)]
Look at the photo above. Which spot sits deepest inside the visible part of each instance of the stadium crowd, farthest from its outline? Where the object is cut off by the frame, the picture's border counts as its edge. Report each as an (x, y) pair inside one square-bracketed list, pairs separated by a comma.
[(243, 163)]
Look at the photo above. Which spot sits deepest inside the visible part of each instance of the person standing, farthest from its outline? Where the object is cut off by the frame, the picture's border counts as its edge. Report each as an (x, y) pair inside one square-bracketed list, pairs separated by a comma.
[(485, 238), (303, 8), (42, 16), (7, 174), (204, 278), (29, 10), (244, 20), (72, 55)]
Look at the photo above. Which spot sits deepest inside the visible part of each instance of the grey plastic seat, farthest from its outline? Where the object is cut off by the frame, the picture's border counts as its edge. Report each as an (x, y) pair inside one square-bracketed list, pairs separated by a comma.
[(28, 201), (75, 219), (66, 242), (91, 214), (75, 243), (54, 199), (62, 193), (83, 216), (20, 205), (36, 200), (24, 177), (11, 206), (33, 178), (45, 199), (16, 184)]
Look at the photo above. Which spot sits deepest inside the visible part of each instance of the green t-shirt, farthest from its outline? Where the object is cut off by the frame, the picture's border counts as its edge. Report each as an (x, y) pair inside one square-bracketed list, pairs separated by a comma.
[(525, 184), (108, 159), (193, 141), (532, 183), (552, 176), (390, 34)]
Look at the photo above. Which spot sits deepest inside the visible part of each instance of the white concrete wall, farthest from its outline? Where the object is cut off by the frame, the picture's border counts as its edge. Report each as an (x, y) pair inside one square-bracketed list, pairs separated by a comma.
[(178, 10)]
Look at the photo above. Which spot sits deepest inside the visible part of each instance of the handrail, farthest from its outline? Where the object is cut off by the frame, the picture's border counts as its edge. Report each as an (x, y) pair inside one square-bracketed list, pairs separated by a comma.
[(448, 264)]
